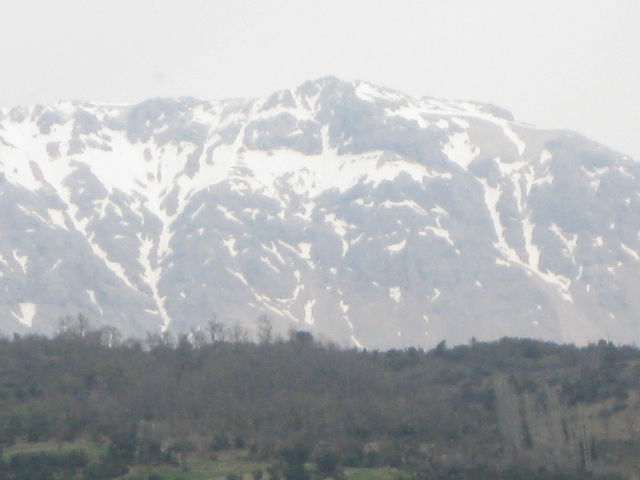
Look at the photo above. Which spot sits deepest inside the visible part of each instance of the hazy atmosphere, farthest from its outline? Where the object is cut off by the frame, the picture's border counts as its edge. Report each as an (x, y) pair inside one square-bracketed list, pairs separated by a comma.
[(565, 64), (296, 240)]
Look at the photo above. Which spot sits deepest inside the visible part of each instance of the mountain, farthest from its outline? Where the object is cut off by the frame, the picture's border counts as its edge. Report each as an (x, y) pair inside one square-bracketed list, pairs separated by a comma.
[(352, 211)]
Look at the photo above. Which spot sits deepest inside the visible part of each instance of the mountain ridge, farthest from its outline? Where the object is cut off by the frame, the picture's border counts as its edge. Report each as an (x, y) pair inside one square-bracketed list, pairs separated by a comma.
[(354, 211)]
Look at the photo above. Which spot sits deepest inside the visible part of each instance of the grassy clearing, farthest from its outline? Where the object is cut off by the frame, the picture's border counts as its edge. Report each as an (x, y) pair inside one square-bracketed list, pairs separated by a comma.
[(210, 470), (374, 474), (197, 469), (169, 474), (219, 471), (93, 449)]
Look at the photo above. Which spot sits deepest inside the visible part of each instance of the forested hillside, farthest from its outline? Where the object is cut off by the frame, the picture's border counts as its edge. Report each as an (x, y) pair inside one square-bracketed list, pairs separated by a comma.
[(483, 407)]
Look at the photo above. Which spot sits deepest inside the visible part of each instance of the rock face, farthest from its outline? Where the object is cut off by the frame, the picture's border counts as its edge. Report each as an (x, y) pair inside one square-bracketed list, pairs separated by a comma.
[(349, 210)]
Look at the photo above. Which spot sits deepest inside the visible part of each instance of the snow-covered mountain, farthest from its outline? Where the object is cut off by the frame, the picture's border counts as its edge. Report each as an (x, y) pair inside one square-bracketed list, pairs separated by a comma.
[(353, 211)]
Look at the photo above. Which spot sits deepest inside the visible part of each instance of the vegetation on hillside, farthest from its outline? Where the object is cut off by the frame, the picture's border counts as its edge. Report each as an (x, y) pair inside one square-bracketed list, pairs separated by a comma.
[(297, 408)]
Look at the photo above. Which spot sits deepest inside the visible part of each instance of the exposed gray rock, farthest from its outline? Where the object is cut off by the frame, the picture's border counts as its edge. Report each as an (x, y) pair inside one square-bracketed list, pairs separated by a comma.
[(347, 209)]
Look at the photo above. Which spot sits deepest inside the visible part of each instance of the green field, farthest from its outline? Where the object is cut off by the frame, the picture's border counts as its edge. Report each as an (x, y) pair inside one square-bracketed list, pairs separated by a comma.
[(207, 470), (92, 449), (233, 463)]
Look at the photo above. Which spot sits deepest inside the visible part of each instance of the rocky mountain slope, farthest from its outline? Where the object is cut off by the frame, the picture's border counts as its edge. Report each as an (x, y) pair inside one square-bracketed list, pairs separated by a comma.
[(352, 211)]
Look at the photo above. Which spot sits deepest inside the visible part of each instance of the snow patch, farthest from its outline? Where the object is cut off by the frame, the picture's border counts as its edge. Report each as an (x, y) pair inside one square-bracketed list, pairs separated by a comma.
[(570, 242), (461, 122), (356, 342), (492, 196), (230, 243), (436, 294), (308, 312), (26, 314), (339, 225), (533, 252), (460, 150), (237, 275), (151, 276), (440, 232), (21, 259), (405, 203), (305, 250), (344, 307), (227, 213), (55, 265), (92, 297), (397, 247), (274, 250), (57, 218), (511, 135), (395, 293), (267, 260), (630, 251)]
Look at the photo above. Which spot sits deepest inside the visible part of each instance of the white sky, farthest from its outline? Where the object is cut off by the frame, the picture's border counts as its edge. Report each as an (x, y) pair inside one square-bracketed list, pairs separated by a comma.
[(566, 63)]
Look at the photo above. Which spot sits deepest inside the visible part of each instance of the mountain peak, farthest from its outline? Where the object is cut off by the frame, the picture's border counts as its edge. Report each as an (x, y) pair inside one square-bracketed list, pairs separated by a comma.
[(348, 209)]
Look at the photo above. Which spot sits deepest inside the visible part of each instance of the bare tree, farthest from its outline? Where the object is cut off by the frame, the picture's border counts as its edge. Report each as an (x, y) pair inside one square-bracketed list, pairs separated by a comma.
[(168, 339), (153, 340), (265, 329), (64, 324), (216, 329), (543, 432), (160, 339), (82, 325), (239, 334), (197, 337), (585, 440), (110, 336), (509, 418), (69, 325)]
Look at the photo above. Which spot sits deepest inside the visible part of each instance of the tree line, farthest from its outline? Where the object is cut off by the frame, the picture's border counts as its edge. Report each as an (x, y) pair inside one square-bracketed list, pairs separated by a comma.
[(513, 403)]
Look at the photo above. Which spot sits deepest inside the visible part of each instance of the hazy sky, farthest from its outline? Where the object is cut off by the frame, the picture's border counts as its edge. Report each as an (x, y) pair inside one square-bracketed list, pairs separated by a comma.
[(566, 63)]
